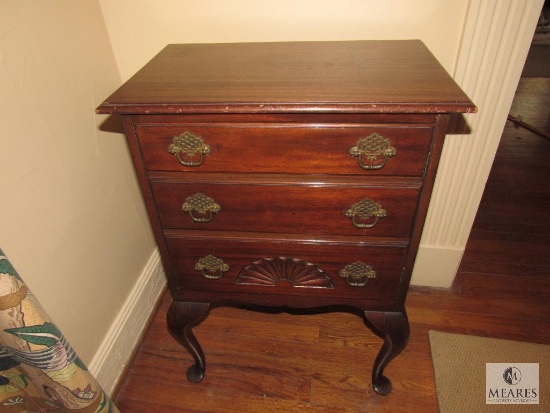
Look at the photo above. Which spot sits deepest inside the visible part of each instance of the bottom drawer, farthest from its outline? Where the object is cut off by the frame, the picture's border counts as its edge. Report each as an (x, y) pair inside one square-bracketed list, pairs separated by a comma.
[(334, 268)]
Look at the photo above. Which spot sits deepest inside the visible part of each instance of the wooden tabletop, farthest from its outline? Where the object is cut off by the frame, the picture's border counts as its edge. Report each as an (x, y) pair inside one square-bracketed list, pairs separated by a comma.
[(400, 76)]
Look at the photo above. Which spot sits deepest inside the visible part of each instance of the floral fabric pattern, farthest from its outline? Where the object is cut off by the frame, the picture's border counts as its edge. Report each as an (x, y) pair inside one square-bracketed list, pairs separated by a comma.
[(39, 370)]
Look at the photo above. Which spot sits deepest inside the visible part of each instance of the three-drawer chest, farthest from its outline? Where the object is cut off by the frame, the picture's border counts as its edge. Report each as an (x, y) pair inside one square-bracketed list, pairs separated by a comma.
[(294, 175)]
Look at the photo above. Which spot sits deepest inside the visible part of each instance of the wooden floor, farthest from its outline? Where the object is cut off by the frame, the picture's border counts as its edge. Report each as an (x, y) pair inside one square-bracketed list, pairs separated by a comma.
[(321, 363)]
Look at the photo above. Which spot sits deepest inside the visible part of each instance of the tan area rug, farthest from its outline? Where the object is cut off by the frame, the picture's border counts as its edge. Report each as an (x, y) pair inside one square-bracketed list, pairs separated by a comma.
[(460, 373)]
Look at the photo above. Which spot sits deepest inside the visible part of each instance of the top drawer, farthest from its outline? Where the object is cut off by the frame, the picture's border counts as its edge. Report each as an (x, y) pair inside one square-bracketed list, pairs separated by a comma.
[(350, 149)]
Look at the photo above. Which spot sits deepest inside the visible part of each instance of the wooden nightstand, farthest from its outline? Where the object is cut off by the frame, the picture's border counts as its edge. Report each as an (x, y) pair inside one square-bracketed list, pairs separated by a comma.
[(292, 175)]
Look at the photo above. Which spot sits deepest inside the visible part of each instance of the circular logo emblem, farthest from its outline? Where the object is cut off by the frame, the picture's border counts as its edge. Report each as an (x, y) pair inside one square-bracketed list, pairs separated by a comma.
[(512, 375)]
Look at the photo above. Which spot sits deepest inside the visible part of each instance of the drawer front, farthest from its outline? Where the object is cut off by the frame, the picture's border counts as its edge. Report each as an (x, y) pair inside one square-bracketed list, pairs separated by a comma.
[(292, 267), (306, 208), (399, 149)]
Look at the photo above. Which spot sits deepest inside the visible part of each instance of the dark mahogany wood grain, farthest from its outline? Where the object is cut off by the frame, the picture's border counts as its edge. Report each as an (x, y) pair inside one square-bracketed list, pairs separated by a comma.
[(328, 254), (311, 147), (307, 207), (357, 76), (281, 121), (394, 329), (181, 319)]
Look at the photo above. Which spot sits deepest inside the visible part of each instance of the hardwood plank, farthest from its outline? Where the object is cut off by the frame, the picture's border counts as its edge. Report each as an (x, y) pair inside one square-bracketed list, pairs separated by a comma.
[(253, 372), (519, 329), (507, 257), (491, 298), (295, 370), (193, 398)]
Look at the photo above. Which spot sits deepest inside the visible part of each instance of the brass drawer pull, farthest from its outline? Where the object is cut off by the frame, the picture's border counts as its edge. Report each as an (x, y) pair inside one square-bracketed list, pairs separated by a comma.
[(372, 148), (365, 213), (358, 274), (190, 145), (211, 267), (201, 208)]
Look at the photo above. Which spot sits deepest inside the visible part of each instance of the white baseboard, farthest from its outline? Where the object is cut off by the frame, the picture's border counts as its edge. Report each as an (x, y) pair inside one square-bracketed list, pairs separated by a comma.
[(436, 265), (119, 343)]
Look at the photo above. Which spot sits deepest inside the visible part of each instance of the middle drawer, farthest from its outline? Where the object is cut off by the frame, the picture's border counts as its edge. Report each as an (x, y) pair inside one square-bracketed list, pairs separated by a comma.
[(295, 207)]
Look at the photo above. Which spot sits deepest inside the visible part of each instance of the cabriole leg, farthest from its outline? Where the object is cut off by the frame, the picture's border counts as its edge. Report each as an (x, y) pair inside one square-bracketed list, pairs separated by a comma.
[(394, 329), (182, 317)]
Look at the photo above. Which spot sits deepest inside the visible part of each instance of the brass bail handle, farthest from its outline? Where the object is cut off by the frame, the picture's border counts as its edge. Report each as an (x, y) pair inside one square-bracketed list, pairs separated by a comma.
[(201, 208), (358, 274), (191, 146), (211, 267), (365, 213), (374, 148)]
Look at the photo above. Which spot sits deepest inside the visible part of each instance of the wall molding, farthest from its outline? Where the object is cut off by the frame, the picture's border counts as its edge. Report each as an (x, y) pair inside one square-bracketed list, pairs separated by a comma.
[(496, 39), (115, 351)]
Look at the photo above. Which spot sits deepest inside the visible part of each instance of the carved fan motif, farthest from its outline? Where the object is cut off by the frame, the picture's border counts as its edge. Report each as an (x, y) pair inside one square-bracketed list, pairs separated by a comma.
[(271, 271)]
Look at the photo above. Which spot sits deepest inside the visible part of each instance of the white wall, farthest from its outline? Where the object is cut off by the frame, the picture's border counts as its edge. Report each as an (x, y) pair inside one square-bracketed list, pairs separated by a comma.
[(139, 29), (72, 220)]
